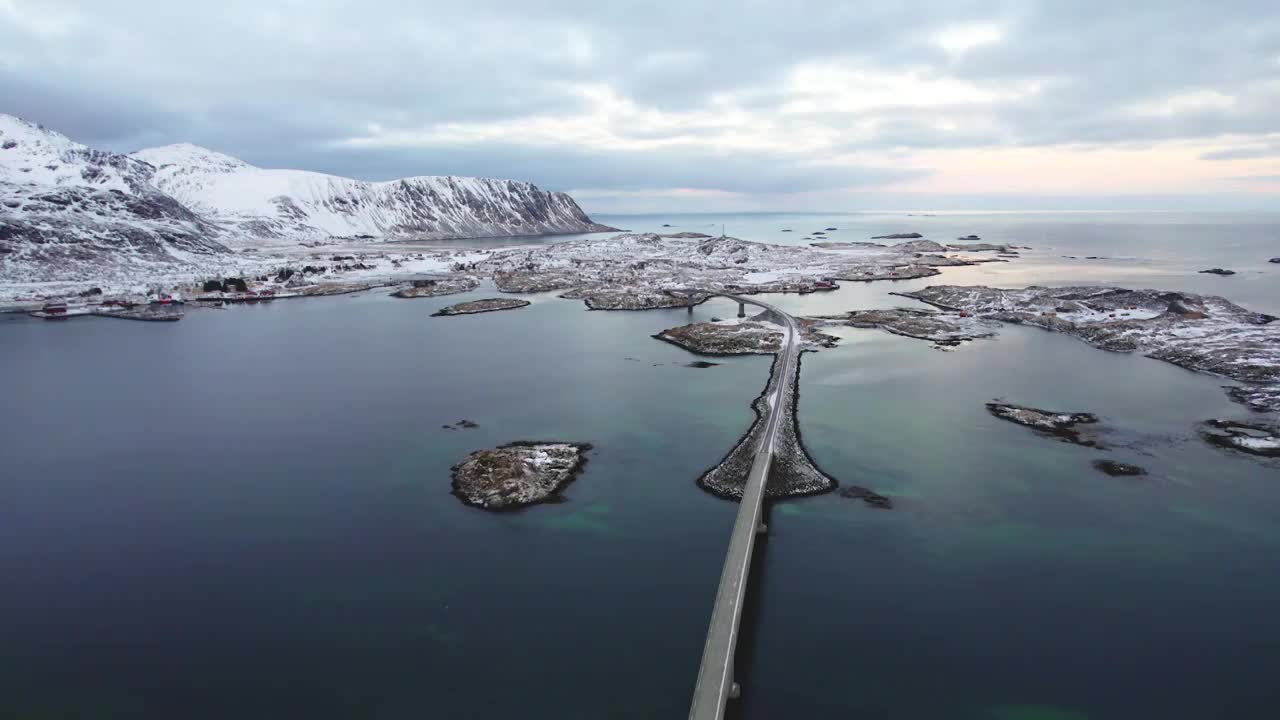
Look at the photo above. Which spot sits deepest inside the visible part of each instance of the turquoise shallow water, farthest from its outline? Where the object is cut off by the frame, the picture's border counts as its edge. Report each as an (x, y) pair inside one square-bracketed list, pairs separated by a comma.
[(246, 514)]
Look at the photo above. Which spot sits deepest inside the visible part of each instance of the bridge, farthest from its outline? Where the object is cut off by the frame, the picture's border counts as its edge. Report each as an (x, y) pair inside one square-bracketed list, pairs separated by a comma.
[(716, 684)]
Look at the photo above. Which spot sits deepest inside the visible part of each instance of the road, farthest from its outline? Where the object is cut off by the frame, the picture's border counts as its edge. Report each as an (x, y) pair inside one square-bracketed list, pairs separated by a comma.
[(716, 683)]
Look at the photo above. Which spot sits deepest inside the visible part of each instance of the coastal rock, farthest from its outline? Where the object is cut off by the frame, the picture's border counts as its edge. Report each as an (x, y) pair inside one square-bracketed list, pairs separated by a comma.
[(897, 236), (1118, 469), (1274, 260), (943, 328), (481, 306), (686, 234), (1217, 271), (434, 288), (517, 474), (701, 364), (1059, 425), (1204, 333), (920, 246), (870, 497), (1254, 438), (983, 247), (968, 238)]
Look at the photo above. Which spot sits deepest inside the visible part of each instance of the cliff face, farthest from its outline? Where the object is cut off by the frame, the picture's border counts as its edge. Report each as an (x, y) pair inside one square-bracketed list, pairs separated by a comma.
[(258, 205)]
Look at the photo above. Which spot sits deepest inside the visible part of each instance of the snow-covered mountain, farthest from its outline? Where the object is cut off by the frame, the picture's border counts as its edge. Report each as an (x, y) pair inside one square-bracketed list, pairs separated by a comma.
[(71, 213), (65, 209), (258, 205)]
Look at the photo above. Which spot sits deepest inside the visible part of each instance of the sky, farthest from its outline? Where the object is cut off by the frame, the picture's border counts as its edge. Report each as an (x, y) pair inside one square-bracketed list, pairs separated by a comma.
[(688, 106)]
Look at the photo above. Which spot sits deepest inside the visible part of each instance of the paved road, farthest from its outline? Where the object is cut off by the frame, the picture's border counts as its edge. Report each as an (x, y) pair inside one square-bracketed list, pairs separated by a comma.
[(715, 677)]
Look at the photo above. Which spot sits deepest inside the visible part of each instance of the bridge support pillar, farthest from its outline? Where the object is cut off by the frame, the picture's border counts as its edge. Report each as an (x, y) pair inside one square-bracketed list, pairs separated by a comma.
[(742, 309), (690, 308)]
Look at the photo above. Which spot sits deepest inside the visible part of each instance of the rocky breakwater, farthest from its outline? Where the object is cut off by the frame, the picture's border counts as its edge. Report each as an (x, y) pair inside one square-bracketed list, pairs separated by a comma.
[(517, 474), (792, 472), (1204, 333), (481, 306)]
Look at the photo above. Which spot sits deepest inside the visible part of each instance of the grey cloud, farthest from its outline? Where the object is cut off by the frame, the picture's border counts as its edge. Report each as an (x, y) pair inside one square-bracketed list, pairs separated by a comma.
[(278, 81)]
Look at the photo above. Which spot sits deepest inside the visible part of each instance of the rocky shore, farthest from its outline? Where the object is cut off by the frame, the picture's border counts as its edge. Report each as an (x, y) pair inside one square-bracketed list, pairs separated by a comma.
[(1204, 333), (517, 474), (481, 306), (1254, 438)]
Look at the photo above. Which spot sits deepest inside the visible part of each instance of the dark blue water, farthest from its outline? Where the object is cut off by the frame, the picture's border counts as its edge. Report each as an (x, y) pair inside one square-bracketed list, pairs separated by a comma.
[(246, 515)]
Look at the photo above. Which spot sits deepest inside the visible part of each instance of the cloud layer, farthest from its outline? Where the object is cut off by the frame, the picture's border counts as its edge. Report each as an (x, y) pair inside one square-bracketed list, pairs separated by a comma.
[(617, 100)]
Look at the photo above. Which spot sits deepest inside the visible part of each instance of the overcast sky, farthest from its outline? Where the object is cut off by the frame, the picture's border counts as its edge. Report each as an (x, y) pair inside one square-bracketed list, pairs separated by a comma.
[(687, 105)]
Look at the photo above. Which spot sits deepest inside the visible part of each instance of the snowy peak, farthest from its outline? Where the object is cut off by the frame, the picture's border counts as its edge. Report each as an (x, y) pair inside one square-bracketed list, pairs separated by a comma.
[(187, 155), (31, 155)]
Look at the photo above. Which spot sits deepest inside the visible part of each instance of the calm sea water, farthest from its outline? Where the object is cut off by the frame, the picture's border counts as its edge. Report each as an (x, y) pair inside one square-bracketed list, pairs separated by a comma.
[(246, 514)]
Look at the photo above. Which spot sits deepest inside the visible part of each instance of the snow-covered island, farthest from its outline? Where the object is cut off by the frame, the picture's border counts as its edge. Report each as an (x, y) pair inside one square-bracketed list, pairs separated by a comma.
[(944, 329), (1204, 333), (481, 306), (1058, 425), (517, 474), (754, 336)]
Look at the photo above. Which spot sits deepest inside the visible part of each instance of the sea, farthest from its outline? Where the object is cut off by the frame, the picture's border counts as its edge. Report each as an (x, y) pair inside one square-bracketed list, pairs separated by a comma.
[(246, 515)]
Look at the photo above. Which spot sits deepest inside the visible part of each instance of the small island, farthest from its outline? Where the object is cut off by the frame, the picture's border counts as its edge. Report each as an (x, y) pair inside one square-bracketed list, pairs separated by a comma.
[(517, 474), (433, 288), (481, 306), (942, 328), (1058, 425)]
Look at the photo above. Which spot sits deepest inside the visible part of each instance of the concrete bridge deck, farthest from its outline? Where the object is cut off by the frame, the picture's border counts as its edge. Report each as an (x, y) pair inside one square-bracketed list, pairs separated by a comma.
[(716, 684)]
